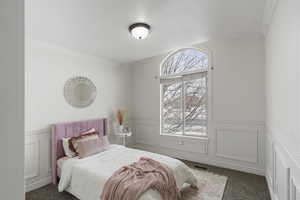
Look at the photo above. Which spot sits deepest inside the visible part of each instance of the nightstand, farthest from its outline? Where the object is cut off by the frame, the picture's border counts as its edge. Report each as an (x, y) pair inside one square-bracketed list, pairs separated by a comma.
[(124, 135)]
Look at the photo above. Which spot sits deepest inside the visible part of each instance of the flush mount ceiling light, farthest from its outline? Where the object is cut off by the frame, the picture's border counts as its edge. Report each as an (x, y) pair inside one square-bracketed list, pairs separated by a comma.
[(139, 30)]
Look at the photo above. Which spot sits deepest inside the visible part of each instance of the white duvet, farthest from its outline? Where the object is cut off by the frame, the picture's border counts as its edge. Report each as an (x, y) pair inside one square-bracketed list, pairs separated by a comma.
[(85, 178)]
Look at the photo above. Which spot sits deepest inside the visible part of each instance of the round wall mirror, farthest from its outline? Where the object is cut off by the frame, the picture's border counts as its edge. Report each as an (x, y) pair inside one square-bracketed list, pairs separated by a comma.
[(80, 92)]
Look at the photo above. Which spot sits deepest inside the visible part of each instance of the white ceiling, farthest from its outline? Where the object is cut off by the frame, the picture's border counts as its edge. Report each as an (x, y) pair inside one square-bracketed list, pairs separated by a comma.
[(100, 27)]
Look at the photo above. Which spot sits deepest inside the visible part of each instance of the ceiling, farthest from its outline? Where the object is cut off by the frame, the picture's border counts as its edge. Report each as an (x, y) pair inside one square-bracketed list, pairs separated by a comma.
[(100, 27)]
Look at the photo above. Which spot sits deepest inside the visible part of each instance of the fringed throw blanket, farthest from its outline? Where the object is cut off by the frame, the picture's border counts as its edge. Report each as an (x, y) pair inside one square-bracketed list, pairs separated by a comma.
[(130, 182)]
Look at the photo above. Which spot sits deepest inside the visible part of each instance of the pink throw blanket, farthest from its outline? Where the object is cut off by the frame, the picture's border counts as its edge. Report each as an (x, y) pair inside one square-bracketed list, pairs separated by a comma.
[(130, 182)]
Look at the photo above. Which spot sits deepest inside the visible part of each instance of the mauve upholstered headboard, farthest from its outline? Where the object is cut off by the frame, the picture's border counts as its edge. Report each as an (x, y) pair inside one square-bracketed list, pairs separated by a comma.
[(71, 129)]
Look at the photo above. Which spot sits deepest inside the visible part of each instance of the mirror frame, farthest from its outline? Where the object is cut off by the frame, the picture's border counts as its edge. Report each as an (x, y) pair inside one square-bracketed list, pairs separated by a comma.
[(69, 93)]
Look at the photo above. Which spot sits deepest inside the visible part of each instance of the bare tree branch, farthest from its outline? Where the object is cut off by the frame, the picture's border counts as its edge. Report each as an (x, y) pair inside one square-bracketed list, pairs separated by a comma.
[(195, 111)]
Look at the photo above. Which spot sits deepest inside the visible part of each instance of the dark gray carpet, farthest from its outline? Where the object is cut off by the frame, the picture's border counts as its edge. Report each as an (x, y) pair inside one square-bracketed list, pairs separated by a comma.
[(240, 186)]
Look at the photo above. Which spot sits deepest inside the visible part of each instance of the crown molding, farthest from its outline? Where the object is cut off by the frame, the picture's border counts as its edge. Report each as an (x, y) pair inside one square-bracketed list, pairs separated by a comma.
[(269, 11)]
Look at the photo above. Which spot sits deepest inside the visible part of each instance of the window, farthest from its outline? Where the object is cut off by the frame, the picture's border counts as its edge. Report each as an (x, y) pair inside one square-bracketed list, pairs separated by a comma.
[(184, 93)]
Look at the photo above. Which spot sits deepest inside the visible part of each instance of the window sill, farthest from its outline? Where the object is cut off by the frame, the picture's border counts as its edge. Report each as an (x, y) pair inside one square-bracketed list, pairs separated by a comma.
[(186, 136)]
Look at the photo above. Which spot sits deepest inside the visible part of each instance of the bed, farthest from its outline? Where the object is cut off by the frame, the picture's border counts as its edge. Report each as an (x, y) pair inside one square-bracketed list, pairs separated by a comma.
[(85, 178)]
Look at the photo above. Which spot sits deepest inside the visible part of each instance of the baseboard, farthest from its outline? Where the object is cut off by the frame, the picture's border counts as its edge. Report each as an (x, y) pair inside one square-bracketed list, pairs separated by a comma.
[(207, 161), (251, 170), (37, 184)]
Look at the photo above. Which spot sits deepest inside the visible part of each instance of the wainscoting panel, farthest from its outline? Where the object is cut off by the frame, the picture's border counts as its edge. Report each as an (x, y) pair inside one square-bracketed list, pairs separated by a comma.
[(282, 169), (149, 131), (37, 159), (185, 144), (31, 157), (150, 136), (237, 144), (294, 191), (269, 160), (231, 144), (282, 177)]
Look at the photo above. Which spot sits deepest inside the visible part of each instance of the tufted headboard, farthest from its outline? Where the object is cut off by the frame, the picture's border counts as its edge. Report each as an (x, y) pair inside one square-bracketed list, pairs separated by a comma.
[(71, 129)]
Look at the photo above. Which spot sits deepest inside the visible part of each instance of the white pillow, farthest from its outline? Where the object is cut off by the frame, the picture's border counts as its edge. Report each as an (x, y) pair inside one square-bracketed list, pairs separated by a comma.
[(66, 146), (68, 151)]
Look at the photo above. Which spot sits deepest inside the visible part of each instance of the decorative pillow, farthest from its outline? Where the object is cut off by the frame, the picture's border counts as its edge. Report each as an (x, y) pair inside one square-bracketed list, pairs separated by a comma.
[(67, 147), (67, 150), (72, 140), (92, 130), (89, 146)]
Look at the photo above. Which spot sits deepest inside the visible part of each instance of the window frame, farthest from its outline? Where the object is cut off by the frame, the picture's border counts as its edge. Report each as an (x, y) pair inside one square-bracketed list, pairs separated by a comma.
[(179, 76)]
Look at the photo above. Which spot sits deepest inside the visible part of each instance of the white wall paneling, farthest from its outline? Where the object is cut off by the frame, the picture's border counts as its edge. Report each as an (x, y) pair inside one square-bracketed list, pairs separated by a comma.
[(282, 98), (236, 145), (240, 144), (150, 136), (281, 177), (282, 170), (37, 159), (269, 157), (294, 190), (32, 146)]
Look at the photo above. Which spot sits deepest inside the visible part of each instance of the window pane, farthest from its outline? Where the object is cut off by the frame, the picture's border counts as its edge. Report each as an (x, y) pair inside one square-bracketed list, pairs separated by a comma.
[(185, 61), (196, 108), (171, 108)]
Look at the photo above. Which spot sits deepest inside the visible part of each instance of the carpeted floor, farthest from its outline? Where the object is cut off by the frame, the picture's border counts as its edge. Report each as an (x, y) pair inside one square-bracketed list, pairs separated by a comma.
[(211, 186), (240, 186)]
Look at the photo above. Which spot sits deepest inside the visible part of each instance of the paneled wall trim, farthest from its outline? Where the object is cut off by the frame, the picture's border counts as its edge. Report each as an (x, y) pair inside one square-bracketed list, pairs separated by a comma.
[(294, 191), (282, 170), (230, 140), (231, 144), (37, 158)]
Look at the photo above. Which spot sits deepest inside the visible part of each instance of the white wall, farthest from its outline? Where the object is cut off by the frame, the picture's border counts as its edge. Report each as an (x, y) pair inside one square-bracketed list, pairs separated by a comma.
[(48, 67), (283, 70), (283, 100), (12, 99), (237, 107), (238, 81)]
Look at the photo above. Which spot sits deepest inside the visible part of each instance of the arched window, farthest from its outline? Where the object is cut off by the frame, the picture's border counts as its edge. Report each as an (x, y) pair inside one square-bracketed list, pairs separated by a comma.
[(184, 93)]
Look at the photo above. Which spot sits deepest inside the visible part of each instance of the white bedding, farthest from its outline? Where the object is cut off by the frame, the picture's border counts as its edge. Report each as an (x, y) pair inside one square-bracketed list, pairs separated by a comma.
[(60, 163), (85, 178), (62, 160)]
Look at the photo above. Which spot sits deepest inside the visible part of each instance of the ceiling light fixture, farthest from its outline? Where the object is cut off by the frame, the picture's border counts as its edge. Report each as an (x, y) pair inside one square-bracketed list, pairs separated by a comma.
[(139, 30)]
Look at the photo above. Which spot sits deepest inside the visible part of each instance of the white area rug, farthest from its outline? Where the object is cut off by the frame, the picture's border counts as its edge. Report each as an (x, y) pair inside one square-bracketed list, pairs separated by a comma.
[(211, 186)]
